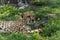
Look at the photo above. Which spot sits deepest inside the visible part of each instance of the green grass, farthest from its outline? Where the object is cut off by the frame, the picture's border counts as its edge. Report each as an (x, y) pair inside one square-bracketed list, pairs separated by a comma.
[(16, 36)]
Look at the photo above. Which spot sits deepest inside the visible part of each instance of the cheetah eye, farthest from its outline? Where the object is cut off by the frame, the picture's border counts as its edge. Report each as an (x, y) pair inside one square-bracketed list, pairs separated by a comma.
[(28, 16), (2, 26), (32, 20)]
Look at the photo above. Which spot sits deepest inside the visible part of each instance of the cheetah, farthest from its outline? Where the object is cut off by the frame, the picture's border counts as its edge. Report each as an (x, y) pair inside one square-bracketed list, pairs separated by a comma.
[(19, 25)]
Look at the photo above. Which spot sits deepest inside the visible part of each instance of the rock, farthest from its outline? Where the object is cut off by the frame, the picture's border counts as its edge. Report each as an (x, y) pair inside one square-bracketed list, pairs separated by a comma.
[(53, 15), (22, 5)]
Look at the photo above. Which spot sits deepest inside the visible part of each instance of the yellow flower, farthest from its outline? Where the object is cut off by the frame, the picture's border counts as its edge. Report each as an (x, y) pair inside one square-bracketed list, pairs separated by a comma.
[(38, 19)]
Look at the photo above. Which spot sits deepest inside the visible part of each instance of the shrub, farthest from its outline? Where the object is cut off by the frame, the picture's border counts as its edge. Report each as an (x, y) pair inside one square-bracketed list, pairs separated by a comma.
[(56, 10), (15, 36), (8, 12), (51, 27), (54, 3), (42, 12), (55, 37), (46, 9), (36, 36), (38, 3)]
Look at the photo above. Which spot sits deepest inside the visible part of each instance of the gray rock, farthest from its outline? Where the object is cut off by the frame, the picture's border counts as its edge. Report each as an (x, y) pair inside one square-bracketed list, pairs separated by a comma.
[(22, 5)]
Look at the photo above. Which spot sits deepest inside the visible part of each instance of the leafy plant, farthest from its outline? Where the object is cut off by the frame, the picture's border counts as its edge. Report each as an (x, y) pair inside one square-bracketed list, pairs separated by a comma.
[(54, 3), (36, 36), (51, 27), (8, 12)]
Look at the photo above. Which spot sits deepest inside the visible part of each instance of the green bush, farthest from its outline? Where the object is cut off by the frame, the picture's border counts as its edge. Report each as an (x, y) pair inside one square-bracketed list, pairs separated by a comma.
[(51, 26), (46, 9), (36, 36), (56, 10), (52, 3), (38, 4), (42, 12), (8, 12)]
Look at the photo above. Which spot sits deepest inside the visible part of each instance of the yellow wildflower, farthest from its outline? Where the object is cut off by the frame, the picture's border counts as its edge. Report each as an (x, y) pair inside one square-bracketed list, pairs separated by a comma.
[(38, 19)]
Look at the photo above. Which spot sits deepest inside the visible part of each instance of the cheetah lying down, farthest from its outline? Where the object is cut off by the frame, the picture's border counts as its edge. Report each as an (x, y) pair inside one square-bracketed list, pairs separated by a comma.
[(19, 25)]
